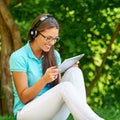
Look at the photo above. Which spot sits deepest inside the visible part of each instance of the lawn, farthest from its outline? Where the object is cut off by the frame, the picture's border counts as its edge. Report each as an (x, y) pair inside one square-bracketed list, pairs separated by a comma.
[(107, 114)]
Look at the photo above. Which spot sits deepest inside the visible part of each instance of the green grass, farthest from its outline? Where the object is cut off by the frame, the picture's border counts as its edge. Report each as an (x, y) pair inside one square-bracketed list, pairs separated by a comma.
[(6, 117), (107, 114)]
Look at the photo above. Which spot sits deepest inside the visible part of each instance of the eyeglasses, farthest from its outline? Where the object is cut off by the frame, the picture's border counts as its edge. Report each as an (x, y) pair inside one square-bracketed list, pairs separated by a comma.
[(49, 39)]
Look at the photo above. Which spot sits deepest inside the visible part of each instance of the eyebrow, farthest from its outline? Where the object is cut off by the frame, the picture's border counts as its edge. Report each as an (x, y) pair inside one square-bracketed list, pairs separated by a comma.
[(50, 36)]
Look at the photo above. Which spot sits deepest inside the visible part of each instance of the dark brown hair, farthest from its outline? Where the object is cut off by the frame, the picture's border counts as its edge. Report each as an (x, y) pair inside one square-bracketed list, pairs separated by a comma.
[(49, 57)]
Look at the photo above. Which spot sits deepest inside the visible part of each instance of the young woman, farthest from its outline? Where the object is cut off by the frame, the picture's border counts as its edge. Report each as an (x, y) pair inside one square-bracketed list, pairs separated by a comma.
[(39, 91)]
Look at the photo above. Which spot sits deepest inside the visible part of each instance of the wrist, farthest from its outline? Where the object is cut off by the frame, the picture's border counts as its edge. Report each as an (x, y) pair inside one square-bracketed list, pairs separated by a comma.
[(43, 80)]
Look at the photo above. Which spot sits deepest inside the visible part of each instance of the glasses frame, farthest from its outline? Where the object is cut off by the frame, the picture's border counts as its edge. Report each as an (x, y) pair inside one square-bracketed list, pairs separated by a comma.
[(50, 39)]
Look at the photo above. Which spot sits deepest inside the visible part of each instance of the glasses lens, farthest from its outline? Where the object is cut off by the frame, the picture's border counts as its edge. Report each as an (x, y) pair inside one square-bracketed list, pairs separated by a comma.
[(49, 39)]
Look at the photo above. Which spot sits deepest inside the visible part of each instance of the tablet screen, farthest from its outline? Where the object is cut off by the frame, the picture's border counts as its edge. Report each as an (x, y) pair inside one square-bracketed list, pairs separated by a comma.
[(67, 63)]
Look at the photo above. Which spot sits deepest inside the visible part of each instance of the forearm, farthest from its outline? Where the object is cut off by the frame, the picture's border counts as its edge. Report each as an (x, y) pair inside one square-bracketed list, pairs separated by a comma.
[(30, 93)]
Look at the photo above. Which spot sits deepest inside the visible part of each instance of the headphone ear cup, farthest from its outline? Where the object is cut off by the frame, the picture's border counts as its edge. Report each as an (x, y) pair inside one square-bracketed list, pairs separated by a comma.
[(33, 33)]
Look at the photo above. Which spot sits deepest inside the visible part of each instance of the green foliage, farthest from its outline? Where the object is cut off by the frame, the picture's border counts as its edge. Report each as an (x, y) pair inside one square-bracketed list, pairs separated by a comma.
[(86, 27)]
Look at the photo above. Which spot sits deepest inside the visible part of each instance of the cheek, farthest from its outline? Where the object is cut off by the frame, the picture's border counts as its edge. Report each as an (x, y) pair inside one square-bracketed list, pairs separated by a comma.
[(40, 42)]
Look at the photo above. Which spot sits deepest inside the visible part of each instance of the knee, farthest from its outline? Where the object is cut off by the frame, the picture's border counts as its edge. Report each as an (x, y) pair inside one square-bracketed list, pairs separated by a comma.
[(66, 85), (66, 89), (73, 70)]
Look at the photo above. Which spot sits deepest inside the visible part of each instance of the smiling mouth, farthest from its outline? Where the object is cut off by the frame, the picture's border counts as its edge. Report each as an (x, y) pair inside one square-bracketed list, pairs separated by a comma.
[(48, 47)]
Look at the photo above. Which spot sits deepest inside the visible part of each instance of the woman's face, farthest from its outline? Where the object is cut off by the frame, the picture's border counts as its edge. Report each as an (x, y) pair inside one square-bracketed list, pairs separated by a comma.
[(46, 39)]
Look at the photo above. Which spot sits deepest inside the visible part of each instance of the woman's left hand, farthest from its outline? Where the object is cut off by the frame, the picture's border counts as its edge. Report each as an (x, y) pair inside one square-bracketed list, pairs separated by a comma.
[(76, 64)]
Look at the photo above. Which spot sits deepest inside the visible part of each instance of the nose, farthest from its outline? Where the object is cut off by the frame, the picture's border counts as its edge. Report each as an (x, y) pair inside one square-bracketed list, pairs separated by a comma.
[(52, 42)]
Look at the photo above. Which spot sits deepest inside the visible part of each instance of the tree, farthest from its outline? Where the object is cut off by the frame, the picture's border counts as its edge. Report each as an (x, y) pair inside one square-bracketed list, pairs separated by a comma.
[(11, 40), (104, 59)]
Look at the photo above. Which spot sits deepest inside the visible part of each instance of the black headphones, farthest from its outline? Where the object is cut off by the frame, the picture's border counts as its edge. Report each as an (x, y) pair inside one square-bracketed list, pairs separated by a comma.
[(33, 32)]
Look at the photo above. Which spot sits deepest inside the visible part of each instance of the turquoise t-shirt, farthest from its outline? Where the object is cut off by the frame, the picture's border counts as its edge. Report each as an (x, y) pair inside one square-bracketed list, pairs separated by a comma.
[(23, 60)]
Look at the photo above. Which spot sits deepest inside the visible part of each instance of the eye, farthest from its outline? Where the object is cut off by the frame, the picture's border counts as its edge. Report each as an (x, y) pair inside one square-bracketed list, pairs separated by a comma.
[(49, 38)]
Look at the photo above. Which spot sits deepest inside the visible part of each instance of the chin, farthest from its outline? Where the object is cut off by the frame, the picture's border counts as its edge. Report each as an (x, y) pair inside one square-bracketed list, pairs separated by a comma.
[(46, 50)]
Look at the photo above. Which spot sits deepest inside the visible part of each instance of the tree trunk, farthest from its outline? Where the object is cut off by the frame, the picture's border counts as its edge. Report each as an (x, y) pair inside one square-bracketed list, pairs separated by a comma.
[(104, 60), (10, 39)]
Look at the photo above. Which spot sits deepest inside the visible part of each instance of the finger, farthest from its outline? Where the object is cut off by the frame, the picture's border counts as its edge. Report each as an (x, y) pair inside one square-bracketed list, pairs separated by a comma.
[(50, 68), (53, 67), (55, 71), (54, 77)]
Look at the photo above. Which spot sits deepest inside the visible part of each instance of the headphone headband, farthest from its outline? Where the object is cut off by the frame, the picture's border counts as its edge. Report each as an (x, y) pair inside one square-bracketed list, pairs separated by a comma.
[(41, 20), (33, 31)]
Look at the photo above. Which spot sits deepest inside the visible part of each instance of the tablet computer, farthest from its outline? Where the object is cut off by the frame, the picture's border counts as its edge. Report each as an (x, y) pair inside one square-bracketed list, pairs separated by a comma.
[(67, 63)]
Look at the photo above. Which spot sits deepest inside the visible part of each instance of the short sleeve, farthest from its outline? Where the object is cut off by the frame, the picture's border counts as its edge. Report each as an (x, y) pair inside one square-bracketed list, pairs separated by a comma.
[(18, 63)]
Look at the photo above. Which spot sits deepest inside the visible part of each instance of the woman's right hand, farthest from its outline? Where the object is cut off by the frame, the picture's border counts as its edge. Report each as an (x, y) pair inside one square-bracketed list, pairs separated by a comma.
[(50, 74)]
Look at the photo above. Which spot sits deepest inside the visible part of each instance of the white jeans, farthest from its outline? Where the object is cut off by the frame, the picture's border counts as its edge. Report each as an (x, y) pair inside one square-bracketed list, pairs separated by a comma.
[(56, 104)]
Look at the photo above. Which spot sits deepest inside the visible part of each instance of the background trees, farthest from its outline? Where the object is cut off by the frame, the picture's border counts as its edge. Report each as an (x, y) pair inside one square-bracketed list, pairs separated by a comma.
[(90, 27), (9, 41)]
